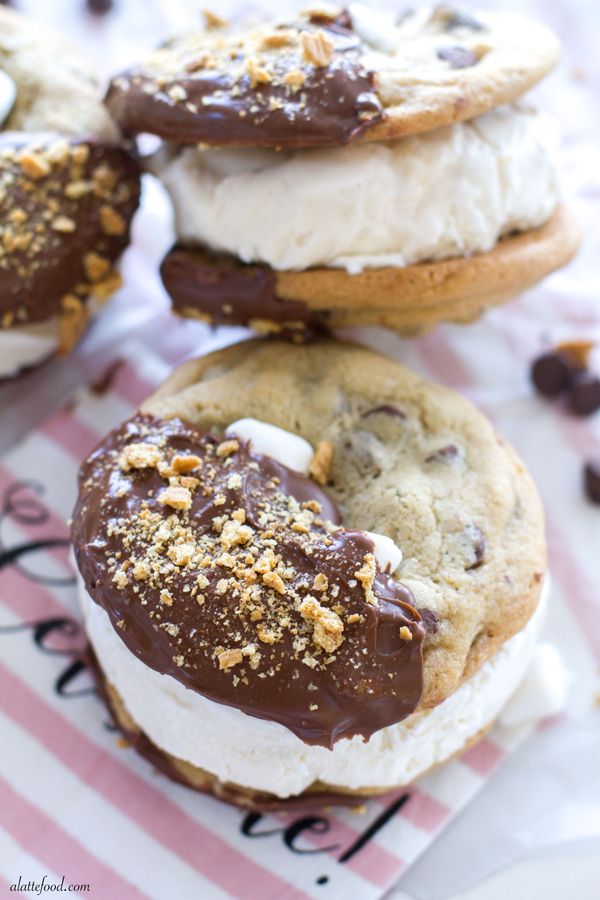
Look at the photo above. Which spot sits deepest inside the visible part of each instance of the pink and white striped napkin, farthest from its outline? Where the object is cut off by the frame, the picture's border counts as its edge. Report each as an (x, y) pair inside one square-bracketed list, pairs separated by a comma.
[(76, 803)]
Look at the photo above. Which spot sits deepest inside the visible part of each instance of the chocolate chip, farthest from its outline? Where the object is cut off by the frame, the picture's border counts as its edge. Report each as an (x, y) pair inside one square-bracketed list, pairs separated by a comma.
[(591, 480), (457, 57), (585, 394), (475, 535), (385, 409), (429, 620), (458, 19), (99, 7), (552, 373), (366, 453), (343, 19), (450, 451)]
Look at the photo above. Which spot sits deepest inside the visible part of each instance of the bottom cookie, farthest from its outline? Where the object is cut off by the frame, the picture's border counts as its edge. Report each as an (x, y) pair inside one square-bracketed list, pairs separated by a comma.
[(412, 300), (317, 795)]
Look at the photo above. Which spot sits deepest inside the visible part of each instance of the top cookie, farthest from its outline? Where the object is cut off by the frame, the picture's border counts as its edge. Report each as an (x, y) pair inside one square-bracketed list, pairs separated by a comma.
[(331, 77), (409, 460), (55, 89)]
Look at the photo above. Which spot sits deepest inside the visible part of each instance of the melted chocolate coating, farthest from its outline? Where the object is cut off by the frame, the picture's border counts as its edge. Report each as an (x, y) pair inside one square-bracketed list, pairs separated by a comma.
[(53, 208), (227, 291), (180, 96), (371, 679)]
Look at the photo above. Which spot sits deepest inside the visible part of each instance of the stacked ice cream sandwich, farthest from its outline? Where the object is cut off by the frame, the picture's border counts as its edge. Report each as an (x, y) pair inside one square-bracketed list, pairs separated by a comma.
[(68, 191), (307, 575), (352, 167)]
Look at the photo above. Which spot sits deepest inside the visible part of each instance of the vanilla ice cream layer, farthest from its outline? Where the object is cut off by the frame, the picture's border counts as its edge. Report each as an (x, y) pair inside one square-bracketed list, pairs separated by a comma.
[(449, 192), (266, 756), (26, 345)]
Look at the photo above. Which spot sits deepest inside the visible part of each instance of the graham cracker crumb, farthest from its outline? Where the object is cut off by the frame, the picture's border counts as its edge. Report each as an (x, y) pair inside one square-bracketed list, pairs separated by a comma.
[(183, 464), (34, 165), (321, 582), (317, 47), (212, 20), (176, 497), (320, 464), (366, 575), (112, 223), (276, 39), (96, 267), (227, 448), (257, 73), (181, 554), (294, 79), (229, 658), (64, 224), (139, 456), (274, 581), (328, 629)]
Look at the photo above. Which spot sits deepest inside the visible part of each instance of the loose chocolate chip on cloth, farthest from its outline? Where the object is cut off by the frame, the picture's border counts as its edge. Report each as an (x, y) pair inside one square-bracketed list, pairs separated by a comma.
[(584, 399), (552, 373)]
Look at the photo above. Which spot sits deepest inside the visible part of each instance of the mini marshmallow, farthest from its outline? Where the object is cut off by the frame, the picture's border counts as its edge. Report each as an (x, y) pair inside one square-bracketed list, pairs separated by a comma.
[(376, 28), (8, 95), (386, 551), (287, 448), (543, 691)]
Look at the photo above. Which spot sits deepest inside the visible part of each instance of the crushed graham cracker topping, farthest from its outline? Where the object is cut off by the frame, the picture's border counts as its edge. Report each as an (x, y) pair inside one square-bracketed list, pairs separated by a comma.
[(232, 573), (280, 83), (65, 208)]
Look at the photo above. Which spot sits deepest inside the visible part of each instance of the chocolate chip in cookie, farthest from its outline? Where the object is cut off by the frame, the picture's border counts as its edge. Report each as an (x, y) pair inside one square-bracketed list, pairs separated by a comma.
[(385, 409), (474, 535), (454, 18), (444, 454), (457, 57)]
